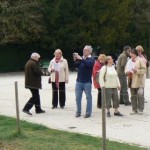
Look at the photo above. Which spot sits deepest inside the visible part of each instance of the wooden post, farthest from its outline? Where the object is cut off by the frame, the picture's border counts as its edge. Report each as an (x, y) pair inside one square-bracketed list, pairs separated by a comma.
[(148, 72), (17, 106), (103, 120)]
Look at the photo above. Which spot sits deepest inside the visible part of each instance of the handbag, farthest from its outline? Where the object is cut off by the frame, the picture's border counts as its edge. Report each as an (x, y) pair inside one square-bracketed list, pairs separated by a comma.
[(49, 80), (140, 91), (97, 77)]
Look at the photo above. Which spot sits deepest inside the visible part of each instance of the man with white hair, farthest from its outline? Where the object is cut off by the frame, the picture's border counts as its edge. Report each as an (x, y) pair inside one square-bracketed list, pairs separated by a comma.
[(143, 57), (84, 67), (33, 83)]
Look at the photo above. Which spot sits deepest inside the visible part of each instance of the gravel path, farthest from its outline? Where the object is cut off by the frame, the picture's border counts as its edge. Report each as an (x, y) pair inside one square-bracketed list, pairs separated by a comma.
[(133, 129)]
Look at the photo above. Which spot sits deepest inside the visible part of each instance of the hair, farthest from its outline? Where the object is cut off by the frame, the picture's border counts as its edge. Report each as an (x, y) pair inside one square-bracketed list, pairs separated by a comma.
[(89, 47), (58, 51), (107, 58), (134, 51), (103, 57), (35, 56), (139, 47), (125, 48)]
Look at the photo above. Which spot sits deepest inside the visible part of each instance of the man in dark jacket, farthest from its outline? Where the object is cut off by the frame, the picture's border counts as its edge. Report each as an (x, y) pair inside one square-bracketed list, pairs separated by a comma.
[(84, 67), (33, 83), (121, 63)]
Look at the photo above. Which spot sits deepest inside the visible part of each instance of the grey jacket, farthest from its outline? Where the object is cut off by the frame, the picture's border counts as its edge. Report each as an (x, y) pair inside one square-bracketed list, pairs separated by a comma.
[(122, 61)]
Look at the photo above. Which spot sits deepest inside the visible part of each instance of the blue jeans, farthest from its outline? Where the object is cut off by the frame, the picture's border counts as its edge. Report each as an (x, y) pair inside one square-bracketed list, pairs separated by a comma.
[(86, 87)]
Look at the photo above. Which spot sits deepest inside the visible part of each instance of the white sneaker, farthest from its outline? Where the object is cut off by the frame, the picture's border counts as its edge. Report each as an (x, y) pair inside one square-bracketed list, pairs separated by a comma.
[(140, 112), (134, 112)]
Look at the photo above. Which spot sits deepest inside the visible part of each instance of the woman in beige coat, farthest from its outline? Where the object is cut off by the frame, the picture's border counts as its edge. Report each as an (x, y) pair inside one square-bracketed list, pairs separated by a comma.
[(58, 68), (136, 70), (110, 81)]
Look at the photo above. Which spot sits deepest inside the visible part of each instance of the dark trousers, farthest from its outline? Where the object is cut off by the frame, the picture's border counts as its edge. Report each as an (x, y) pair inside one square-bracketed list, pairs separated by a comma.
[(124, 96), (99, 101), (34, 100), (58, 92)]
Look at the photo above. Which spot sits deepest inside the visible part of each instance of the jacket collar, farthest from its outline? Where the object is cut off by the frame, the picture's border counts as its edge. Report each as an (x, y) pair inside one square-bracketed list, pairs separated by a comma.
[(61, 59)]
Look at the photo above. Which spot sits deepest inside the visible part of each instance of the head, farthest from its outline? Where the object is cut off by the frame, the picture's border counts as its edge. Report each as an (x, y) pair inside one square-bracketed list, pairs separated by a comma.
[(140, 49), (58, 53), (102, 58), (127, 50), (133, 53), (35, 56), (87, 50), (109, 60)]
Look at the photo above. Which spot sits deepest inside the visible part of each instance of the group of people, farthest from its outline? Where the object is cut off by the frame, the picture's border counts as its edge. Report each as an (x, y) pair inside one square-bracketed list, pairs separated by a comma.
[(131, 65), (128, 72)]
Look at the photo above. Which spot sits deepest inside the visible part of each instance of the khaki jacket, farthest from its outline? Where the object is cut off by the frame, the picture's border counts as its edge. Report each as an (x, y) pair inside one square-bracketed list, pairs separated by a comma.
[(138, 77)]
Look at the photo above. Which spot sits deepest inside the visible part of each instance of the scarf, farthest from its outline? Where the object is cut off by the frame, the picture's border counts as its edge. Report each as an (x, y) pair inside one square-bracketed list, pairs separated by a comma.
[(57, 73)]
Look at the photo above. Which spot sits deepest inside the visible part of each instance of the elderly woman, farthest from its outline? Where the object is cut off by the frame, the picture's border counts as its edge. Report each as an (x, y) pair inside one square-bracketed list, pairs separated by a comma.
[(58, 68), (96, 69), (109, 80), (136, 70), (141, 54)]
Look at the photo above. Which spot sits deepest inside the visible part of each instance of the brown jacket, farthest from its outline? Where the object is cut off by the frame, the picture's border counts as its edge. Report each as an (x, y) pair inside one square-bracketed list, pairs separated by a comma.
[(33, 75)]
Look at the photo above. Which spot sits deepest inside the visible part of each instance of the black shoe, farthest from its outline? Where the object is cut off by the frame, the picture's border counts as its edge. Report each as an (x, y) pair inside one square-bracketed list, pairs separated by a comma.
[(121, 102), (27, 112), (41, 111), (108, 114), (118, 114), (99, 106), (87, 116), (127, 103), (78, 115), (54, 107)]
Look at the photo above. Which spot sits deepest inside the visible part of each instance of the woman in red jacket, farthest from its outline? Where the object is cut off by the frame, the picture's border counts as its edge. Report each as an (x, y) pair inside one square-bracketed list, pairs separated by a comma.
[(96, 69)]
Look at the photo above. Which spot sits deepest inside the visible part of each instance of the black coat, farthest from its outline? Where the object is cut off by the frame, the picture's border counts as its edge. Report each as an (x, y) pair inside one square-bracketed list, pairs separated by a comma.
[(33, 75)]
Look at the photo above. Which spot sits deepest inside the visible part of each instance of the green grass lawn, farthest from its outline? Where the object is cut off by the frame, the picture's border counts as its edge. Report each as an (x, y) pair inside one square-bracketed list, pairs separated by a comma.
[(38, 137)]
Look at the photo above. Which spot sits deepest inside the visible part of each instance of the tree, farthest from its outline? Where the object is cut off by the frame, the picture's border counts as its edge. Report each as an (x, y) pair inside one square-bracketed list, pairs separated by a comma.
[(140, 25), (21, 21), (99, 23)]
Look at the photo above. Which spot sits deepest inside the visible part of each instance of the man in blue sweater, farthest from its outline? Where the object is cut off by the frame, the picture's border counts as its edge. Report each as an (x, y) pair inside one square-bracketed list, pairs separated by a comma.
[(84, 67)]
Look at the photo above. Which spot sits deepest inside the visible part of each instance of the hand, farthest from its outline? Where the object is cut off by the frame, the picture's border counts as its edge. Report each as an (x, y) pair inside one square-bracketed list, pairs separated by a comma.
[(79, 57), (129, 73), (134, 70), (119, 88), (52, 70)]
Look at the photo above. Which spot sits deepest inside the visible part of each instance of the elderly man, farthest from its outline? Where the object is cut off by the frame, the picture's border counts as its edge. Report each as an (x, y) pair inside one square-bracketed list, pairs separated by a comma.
[(33, 83), (121, 63), (84, 67)]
